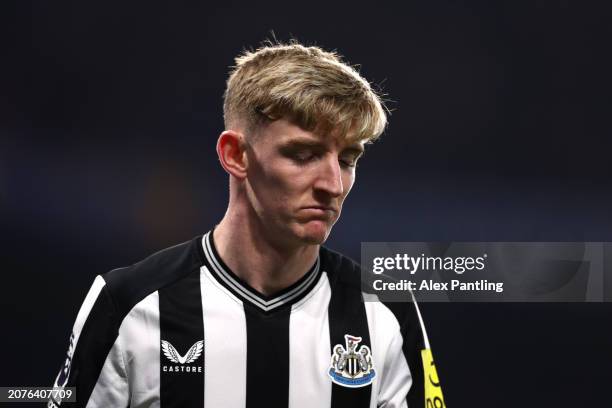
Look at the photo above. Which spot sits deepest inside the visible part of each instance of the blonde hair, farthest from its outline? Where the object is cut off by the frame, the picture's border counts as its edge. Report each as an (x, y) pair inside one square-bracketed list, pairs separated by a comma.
[(312, 88)]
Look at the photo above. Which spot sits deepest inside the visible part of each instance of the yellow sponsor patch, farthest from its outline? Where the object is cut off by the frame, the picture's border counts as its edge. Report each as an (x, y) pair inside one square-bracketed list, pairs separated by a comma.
[(433, 390)]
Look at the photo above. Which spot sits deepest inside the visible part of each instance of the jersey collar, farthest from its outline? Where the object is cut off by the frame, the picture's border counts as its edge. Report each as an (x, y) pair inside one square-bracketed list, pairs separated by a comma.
[(246, 293)]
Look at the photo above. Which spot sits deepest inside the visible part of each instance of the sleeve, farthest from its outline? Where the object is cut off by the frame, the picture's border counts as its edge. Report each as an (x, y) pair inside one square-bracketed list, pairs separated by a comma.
[(396, 380), (403, 385), (414, 341), (94, 363)]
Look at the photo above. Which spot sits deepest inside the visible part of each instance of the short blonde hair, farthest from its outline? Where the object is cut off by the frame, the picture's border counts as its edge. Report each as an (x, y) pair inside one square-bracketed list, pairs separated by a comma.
[(312, 88)]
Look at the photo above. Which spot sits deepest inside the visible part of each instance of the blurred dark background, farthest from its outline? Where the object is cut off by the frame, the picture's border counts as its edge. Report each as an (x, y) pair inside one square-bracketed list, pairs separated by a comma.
[(109, 113)]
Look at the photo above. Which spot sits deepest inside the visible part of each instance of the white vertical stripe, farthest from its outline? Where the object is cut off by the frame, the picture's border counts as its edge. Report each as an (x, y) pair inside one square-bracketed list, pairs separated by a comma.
[(111, 388), (393, 378), (309, 349), (139, 339), (86, 307), (224, 345), (82, 316)]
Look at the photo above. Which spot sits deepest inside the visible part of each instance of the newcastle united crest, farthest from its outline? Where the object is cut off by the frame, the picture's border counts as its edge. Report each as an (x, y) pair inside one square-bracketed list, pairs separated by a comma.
[(351, 366)]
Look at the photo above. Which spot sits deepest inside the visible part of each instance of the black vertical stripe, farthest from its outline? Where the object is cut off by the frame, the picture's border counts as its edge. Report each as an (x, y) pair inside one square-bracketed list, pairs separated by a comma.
[(347, 315), (181, 325), (267, 382)]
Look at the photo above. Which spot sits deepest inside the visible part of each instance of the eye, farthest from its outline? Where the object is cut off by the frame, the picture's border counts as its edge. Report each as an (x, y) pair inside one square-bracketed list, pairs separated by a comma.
[(301, 156), (347, 163), (349, 160)]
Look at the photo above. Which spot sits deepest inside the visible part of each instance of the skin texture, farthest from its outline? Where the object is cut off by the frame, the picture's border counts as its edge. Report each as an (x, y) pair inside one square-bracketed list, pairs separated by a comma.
[(287, 187)]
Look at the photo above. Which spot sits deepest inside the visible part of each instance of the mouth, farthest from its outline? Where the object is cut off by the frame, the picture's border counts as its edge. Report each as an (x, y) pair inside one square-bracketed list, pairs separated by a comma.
[(319, 213), (322, 208)]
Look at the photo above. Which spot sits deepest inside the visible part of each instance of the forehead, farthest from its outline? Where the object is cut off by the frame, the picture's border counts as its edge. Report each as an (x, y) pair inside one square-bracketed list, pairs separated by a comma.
[(283, 132)]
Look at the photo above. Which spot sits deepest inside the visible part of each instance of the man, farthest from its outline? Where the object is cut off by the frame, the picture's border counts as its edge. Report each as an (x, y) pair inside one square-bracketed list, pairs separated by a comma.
[(256, 313)]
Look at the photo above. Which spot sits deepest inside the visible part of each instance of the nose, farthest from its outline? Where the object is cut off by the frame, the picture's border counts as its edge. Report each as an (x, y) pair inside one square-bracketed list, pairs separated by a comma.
[(329, 178)]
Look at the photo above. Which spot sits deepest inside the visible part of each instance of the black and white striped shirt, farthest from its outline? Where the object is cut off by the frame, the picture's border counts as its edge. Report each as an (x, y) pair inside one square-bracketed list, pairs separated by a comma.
[(179, 329)]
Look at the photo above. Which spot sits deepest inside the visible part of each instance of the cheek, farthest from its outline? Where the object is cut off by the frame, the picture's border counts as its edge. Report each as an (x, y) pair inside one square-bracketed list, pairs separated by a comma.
[(290, 177), (282, 184), (348, 179)]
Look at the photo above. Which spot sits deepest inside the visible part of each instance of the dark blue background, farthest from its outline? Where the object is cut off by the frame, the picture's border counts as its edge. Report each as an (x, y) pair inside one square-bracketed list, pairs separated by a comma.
[(500, 127)]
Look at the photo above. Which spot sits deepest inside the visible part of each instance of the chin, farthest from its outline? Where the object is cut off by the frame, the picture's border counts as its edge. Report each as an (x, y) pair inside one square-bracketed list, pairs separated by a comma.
[(314, 233), (314, 240)]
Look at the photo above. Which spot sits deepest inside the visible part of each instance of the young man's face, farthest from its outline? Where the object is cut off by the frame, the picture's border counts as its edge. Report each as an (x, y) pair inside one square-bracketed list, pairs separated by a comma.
[(297, 181)]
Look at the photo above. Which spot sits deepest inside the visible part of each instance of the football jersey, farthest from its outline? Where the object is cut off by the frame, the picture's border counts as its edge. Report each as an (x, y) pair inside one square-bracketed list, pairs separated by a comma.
[(180, 329)]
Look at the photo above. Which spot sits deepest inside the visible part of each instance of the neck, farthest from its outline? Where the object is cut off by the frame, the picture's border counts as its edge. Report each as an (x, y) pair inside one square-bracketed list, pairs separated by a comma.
[(254, 256)]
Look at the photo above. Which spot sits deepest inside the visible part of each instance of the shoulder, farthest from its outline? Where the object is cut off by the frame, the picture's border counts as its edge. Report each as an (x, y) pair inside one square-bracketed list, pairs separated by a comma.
[(340, 268), (129, 285), (345, 273)]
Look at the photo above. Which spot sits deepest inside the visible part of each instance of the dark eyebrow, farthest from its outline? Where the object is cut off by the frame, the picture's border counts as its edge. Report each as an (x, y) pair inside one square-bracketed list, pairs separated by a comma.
[(355, 149), (302, 143)]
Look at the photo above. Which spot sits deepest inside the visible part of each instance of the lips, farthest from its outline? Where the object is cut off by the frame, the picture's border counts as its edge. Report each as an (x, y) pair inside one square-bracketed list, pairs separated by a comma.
[(322, 208), (319, 212)]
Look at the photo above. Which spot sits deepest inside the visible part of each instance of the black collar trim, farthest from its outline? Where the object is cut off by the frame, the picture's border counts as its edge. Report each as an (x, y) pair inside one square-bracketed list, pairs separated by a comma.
[(228, 279)]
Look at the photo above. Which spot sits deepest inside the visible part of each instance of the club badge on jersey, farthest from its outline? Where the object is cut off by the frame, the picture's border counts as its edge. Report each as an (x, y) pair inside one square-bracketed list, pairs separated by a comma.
[(351, 364)]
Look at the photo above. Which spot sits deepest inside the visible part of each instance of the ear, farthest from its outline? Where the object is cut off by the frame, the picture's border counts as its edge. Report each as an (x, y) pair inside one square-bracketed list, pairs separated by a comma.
[(232, 154)]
